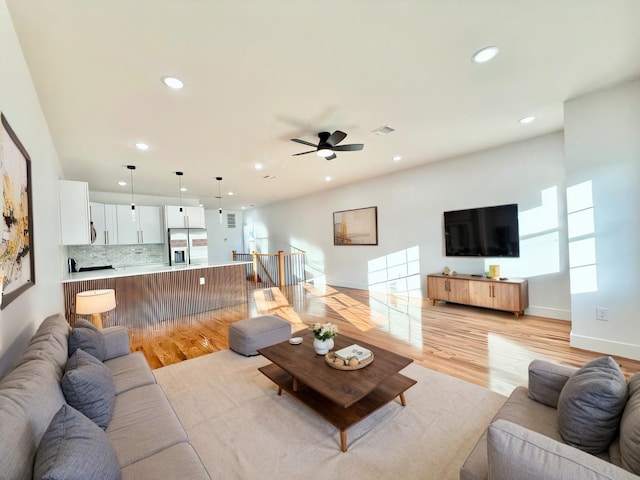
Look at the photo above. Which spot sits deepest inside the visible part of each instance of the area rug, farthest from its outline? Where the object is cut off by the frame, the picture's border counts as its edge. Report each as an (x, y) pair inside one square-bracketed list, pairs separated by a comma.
[(242, 429)]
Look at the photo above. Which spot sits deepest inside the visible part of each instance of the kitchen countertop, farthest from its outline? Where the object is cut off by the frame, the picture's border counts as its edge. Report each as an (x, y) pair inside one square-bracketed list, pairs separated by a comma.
[(138, 270)]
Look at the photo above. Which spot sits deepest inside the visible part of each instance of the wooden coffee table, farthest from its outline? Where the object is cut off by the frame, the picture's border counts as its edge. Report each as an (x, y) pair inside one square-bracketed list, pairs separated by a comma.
[(342, 397)]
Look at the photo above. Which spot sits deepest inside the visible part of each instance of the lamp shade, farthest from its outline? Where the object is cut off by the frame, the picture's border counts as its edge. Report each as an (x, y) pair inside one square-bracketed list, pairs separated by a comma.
[(95, 301)]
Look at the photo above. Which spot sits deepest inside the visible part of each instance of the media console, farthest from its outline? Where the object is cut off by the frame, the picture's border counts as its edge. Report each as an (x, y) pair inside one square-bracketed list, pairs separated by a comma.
[(511, 294)]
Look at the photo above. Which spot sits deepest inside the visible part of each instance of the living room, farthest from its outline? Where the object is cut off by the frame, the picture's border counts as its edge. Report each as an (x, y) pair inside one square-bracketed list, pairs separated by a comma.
[(598, 143)]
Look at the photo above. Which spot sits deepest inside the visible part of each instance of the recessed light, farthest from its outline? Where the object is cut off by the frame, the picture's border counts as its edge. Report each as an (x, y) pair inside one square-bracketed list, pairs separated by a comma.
[(242, 208), (230, 194), (183, 189), (122, 184), (200, 205), (173, 82), (396, 158), (485, 54), (142, 146), (526, 120), (327, 178), (258, 166)]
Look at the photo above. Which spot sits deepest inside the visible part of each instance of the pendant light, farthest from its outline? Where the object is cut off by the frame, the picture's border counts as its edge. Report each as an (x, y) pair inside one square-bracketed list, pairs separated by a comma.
[(219, 197), (179, 174), (133, 204)]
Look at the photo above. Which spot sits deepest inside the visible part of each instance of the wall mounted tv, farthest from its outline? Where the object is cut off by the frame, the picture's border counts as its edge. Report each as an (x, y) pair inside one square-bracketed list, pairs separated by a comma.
[(482, 232)]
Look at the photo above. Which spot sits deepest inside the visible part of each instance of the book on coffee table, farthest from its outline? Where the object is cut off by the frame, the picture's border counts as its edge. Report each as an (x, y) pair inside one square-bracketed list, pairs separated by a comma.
[(353, 351)]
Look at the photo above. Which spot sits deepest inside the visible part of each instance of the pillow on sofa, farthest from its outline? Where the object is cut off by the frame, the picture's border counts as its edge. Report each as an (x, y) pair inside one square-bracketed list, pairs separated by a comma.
[(86, 336), (591, 404), (88, 386), (546, 381), (630, 428), (73, 447)]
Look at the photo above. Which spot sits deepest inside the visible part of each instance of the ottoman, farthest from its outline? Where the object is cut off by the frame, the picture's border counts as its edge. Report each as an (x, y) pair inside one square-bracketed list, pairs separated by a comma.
[(246, 336)]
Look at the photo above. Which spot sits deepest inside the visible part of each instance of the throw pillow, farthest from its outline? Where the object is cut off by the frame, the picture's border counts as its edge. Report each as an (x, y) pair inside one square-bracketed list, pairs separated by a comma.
[(86, 336), (75, 448), (88, 386), (630, 428), (591, 404)]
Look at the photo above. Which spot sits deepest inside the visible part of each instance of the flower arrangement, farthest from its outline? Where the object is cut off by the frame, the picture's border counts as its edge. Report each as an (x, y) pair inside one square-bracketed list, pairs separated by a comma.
[(324, 331)]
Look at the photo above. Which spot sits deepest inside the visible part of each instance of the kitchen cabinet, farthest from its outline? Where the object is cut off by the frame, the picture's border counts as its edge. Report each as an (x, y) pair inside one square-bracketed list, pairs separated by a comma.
[(105, 222), (147, 227), (511, 295), (75, 228), (190, 217)]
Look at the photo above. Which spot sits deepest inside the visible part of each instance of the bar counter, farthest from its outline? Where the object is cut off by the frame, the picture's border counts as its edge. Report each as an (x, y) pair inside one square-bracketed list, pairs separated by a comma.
[(150, 295)]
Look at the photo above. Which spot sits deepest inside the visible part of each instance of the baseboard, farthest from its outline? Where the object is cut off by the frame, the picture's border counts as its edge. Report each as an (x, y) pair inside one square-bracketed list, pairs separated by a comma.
[(546, 312), (608, 347)]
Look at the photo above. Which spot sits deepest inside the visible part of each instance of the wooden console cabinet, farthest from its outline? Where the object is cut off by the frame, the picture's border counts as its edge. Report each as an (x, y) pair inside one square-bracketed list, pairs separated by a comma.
[(511, 295)]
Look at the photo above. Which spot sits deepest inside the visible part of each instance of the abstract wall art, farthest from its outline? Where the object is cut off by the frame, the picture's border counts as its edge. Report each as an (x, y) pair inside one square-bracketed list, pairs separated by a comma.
[(16, 249), (356, 227)]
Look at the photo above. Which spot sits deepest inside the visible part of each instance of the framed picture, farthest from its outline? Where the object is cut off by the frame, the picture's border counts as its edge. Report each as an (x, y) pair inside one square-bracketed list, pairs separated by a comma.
[(356, 227), (17, 267)]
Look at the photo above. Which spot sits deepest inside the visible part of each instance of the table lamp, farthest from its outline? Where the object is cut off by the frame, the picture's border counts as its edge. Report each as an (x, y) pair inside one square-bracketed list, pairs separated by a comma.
[(94, 303)]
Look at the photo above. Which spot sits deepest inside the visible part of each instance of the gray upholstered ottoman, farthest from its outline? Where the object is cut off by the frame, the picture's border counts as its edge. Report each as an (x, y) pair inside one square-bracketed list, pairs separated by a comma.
[(246, 336)]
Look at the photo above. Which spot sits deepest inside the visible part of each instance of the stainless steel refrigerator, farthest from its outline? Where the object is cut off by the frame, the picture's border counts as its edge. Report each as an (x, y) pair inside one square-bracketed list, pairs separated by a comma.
[(188, 246)]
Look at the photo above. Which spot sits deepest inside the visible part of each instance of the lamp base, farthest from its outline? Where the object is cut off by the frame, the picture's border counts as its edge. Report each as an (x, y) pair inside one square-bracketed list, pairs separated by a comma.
[(96, 319)]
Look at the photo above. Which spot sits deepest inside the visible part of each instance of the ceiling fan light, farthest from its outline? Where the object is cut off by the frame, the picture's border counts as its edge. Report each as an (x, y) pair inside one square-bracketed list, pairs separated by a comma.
[(324, 152)]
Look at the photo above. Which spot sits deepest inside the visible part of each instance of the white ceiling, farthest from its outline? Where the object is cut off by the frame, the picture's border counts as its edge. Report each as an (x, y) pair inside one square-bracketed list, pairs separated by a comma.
[(260, 72)]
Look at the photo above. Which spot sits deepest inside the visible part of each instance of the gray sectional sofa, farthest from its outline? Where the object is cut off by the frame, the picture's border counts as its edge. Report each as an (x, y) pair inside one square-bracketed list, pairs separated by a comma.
[(586, 428), (43, 435)]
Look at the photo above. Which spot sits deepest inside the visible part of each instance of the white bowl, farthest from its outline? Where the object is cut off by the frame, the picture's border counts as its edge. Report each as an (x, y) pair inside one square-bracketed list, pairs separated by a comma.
[(295, 340)]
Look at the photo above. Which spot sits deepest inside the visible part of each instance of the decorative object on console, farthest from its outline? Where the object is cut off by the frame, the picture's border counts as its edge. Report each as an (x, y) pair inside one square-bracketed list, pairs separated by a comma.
[(494, 271), (95, 303), (16, 259)]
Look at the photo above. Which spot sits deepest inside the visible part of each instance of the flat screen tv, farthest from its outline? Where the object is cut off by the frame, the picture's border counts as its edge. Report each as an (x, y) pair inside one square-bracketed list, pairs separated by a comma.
[(482, 232)]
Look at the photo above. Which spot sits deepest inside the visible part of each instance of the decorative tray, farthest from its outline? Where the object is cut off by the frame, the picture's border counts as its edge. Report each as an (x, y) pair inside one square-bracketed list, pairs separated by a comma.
[(330, 357)]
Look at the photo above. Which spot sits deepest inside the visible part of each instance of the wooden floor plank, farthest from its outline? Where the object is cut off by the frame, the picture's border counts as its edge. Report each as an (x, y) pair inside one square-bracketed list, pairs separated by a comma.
[(486, 347)]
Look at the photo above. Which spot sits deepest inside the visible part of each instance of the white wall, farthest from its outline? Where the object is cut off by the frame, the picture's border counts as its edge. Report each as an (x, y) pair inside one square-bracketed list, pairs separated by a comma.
[(410, 207), (222, 240), (603, 145), (19, 103)]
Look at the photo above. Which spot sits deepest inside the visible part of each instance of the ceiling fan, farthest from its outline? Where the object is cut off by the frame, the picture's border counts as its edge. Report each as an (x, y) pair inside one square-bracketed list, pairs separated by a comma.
[(328, 144)]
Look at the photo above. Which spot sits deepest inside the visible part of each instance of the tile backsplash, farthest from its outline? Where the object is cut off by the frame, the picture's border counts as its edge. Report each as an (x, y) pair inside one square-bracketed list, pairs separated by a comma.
[(117, 255)]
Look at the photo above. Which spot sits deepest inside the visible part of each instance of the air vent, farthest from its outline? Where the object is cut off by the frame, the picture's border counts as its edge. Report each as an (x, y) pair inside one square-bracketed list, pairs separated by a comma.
[(231, 220), (383, 130)]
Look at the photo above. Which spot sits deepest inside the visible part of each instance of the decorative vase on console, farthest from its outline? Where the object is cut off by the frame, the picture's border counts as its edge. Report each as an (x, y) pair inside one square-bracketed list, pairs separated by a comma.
[(323, 334)]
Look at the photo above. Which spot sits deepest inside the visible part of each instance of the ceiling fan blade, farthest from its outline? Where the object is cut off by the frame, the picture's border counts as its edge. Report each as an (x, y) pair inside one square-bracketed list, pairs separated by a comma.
[(304, 153), (304, 142), (336, 137), (331, 157), (348, 148)]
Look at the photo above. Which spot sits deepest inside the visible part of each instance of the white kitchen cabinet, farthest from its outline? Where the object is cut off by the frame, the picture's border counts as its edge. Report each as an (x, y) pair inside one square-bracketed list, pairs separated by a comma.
[(190, 217), (105, 223), (75, 228), (147, 227)]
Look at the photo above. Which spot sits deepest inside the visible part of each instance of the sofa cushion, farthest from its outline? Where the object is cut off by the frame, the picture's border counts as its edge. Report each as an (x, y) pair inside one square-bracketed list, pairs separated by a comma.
[(630, 428), (591, 404), (516, 453), (546, 381), (73, 447), (130, 371), (86, 336), (88, 387), (178, 461)]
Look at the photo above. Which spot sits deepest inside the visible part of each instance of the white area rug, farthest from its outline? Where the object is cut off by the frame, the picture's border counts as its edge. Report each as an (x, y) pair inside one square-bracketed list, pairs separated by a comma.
[(242, 429)]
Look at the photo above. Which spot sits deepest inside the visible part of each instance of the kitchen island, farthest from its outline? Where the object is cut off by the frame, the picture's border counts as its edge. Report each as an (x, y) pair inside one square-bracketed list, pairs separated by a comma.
[(150, 295)]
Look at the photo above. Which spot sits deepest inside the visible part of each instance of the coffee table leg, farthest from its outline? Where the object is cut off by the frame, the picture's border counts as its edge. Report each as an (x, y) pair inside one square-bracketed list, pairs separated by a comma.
[(343, 440), (402, 400)]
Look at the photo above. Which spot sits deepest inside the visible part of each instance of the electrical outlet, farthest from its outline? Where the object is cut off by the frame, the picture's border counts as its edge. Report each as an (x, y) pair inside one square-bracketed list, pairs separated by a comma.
[(602, 314), (201, 280)]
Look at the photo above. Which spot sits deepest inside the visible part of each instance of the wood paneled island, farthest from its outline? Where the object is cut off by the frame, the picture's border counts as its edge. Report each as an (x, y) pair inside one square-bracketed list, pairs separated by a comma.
[(146, 297)]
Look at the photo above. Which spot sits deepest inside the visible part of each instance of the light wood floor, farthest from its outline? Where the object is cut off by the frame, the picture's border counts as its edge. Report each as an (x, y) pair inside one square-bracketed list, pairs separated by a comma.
[(485, 347)]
